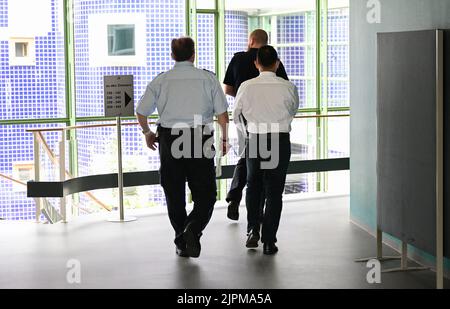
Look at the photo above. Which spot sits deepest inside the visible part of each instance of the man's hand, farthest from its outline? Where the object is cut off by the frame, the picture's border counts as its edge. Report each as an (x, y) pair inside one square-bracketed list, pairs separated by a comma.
[(225, 147), (150, 139)]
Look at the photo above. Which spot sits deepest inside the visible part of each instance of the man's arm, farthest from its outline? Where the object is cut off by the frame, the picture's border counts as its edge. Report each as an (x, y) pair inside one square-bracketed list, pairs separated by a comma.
[(143, 122), (281, 72), (237, 112), (230, 90), (150, 137), (295, 100), (223, 121), (221, 111), (146, 107), (229, 79)]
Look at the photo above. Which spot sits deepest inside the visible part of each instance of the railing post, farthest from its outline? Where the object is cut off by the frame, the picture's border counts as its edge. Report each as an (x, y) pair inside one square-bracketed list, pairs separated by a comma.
[(379, 244), (122, 217), (37, 173), (404, 260), (62, 173)]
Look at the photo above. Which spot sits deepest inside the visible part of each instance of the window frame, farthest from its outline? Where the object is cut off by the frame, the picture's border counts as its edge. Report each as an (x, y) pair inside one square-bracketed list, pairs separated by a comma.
[(29, 59)]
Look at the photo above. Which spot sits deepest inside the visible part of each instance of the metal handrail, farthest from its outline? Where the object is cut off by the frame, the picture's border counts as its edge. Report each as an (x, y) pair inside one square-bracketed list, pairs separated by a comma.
[(89, 126), (64, 175)]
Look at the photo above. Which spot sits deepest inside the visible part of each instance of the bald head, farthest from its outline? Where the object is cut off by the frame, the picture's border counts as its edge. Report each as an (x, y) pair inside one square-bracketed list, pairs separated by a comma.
[(258, 38)]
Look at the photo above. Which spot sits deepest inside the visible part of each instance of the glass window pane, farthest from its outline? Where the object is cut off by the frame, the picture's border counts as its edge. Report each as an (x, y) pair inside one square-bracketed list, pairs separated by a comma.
[(339, 137), (339, 182), (154, 24), (17, 162), (121, 40), (97, 154), (32, 71), (338, 54), (206, 43), (303, 147), (21, 49), (291, 29), (206, 4)]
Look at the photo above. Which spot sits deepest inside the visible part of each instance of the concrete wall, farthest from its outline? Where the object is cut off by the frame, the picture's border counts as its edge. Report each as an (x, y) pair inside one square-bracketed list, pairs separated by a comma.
[(396, 15)]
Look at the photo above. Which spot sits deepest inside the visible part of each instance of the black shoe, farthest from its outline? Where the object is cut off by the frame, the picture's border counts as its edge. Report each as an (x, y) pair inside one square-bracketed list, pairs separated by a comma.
[(233, 211), (252, 240), (181, 251), (270, 248), (192, 242)]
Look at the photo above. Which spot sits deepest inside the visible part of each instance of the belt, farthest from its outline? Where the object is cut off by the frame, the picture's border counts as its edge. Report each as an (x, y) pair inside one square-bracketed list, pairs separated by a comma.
[(179, 131)]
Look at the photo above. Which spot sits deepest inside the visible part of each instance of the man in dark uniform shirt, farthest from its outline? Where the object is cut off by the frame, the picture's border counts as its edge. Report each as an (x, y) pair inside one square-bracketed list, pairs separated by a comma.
[(242, 68)]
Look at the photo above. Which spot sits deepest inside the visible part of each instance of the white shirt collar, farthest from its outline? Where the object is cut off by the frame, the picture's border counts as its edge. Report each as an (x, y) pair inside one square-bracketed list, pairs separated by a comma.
[(267, 74)]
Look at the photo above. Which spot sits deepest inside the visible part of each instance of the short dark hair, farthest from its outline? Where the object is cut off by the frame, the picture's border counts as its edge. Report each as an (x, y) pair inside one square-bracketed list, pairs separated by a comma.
[(260, 36), (183, 48), (267, 56)]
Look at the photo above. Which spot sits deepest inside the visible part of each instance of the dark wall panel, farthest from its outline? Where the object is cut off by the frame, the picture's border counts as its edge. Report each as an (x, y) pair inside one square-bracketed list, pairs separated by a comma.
[(406, 125), (447, 143)]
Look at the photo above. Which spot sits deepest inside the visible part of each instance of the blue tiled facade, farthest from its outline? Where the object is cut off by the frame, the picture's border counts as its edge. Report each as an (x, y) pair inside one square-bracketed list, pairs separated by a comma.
[(3, 13), (28, 92), (165, 19), (338, 58), (32, 92), (206, 44)]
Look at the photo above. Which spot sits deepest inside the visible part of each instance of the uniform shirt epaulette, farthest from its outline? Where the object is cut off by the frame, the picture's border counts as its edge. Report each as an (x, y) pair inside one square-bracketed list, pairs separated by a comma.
[(209, 71), (158, 75)]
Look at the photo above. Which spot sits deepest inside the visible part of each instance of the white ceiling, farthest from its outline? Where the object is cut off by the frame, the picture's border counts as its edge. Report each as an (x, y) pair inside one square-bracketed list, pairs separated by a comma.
[(278, 6)]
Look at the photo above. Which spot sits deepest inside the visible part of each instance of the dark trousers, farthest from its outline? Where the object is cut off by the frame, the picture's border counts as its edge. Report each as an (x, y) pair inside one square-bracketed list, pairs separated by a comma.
[(200, 175), (270, 182), (239, 182)]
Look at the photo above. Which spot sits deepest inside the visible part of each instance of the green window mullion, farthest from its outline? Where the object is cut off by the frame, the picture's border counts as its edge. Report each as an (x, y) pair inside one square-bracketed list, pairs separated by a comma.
[(318, 87), (338, 109), (324, 86), (69, 62)]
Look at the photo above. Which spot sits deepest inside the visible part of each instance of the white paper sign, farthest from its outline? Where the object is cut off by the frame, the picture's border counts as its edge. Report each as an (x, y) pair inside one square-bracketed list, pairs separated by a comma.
[(119, 96)]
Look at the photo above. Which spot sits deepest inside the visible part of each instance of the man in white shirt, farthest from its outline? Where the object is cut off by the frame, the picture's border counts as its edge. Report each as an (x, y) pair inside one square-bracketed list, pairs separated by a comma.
[(269, 104)]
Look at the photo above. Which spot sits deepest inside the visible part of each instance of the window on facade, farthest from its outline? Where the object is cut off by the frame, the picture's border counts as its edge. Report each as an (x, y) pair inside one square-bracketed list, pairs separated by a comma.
[(121, 40), (21, 49)]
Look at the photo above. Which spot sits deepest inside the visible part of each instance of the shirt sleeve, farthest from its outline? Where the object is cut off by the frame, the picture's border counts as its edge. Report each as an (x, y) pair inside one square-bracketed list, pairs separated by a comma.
[(147, 103), (281, 72), (238, 105), (219, 100), (229, 75), (295, 100)]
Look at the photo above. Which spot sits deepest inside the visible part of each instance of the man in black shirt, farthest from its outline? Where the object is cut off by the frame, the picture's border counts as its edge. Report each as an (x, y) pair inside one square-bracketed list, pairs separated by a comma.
[(242, 68)]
